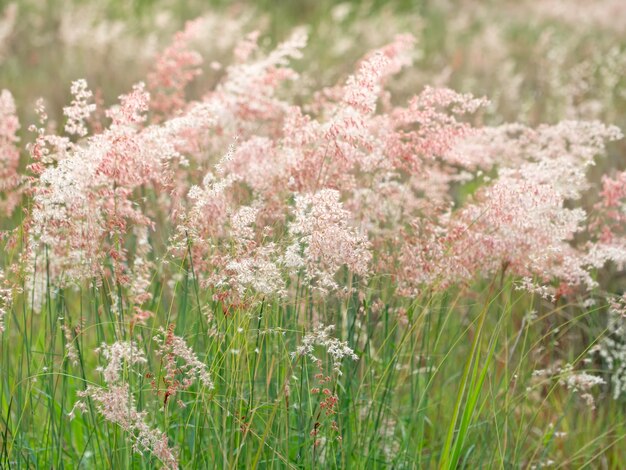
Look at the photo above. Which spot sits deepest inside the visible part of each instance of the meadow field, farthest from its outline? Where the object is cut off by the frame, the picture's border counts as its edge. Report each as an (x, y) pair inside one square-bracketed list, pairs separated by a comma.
[(312, 234)]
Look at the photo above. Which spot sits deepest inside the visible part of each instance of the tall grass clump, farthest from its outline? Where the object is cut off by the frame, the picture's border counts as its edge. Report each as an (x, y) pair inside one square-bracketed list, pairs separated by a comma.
[(234, 266)]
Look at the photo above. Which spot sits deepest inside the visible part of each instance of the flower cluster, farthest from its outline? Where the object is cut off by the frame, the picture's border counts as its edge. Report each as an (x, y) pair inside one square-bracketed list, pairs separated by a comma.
[(117, 354), (80, 109), (6, 299), (612, 347), (116, 402), (117, 405), (9, 155), (346, 181), (181, 365), (176, 66), (321, 336), (580, 382), (608, 223), (324, 241)]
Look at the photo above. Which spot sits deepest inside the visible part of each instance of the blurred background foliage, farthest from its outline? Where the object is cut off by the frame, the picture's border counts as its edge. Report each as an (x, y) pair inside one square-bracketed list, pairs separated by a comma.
[(537, 61)]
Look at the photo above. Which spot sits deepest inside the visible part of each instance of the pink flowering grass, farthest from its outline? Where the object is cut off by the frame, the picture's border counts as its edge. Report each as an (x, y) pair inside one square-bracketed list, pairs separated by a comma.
[(241, 271)]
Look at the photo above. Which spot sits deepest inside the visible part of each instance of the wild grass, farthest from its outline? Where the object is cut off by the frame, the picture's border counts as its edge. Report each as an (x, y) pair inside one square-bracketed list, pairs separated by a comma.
[(474, 375), (449, 386)]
